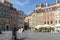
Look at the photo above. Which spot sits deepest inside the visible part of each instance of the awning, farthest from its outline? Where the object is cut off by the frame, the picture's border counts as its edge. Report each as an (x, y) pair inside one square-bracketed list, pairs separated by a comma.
[(57, 25), (38, 26), (46, 25)]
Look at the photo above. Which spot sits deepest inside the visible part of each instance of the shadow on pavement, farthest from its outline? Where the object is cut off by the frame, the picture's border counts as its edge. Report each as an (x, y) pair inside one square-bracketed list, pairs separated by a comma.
[(23, 38), (2, 33)]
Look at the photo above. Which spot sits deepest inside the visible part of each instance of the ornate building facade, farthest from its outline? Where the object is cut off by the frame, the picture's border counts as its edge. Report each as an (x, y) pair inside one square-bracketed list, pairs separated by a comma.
[(9, 16), (21, 16), (45, 14), (5, 14)]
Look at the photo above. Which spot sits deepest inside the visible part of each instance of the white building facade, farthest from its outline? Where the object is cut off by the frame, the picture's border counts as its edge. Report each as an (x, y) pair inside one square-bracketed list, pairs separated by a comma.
[(57, 19)]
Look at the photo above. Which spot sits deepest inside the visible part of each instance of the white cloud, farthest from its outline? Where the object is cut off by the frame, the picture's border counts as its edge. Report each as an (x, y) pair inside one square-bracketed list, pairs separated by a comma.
[(17, 2)]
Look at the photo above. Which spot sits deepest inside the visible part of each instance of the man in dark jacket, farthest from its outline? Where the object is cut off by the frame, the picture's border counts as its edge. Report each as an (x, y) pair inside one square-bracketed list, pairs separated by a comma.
[(14, 33)]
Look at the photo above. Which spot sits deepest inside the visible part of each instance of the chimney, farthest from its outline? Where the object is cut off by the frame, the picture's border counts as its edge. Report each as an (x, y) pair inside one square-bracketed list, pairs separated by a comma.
[(41, 5), (46, 4)]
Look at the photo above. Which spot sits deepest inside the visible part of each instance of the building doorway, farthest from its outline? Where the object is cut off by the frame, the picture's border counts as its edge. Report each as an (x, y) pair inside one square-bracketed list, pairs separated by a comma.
[(7, 27)]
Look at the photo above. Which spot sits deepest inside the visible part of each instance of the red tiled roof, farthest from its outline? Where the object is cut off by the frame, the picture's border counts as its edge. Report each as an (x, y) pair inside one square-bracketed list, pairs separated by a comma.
[(30, 14), (8, 2)]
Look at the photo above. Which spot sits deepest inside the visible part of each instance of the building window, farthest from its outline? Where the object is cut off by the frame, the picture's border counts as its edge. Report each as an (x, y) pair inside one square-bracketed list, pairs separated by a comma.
[(59, 21), (56, 21), (2, 14), (7, 15), (51, 22), (1, 8), (39, 10), (48, 22), (44, 22), (11, 17), (5, 9), (11, 12)]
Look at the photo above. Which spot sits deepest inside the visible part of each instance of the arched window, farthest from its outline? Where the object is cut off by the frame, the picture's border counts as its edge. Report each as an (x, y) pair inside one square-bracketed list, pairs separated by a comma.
[(51, 22), (48, 22), (2, 14), (44, 22)]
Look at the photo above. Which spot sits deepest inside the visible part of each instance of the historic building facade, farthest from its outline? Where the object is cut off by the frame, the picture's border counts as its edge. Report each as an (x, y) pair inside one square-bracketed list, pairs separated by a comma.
[(45, 14), (5, 14), (9, 16), (13, 17), (21, 16)]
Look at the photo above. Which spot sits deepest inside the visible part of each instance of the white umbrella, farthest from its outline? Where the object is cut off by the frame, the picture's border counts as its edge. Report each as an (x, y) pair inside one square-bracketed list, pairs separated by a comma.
[(38, 26), (57, 25), (46, 25), (52, 26)]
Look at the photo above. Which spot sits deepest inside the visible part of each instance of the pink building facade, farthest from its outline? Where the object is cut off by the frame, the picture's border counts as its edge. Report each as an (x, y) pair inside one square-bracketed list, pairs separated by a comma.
[(14, 18)]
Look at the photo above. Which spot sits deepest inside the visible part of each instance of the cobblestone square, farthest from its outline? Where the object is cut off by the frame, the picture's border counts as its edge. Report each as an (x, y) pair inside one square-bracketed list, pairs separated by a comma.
[(30, 35)]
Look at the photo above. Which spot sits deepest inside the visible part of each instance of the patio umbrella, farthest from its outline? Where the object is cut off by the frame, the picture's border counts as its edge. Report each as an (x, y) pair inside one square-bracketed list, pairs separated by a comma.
[(46, 25), (38, 26), (57, 25), (52, 26)]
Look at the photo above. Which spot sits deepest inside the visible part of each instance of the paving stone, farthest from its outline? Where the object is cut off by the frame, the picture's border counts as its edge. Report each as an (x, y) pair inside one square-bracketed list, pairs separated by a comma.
[(30, 35)]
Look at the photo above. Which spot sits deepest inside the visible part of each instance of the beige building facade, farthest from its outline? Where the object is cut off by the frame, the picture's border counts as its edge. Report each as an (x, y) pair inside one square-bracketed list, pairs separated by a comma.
[(45, 14)]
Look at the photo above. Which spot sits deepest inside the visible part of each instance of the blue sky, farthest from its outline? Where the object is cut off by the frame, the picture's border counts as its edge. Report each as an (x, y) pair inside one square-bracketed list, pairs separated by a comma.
[(28, 5)]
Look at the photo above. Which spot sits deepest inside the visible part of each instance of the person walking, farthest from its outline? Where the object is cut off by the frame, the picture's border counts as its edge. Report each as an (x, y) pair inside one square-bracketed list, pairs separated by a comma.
[(14, 33)]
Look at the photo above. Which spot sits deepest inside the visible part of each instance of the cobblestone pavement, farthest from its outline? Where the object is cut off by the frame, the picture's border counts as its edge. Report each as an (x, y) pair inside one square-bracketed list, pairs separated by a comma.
[(6, 35), (30, 35)]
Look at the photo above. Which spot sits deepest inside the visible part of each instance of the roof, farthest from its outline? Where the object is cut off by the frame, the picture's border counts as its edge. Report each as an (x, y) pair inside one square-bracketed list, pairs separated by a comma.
[(7, 2), (30, 14)]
